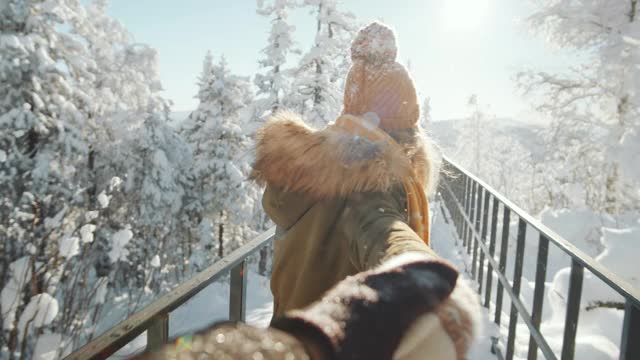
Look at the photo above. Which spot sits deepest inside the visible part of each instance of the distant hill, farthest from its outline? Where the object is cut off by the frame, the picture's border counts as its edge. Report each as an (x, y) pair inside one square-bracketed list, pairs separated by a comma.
[(529, 135)]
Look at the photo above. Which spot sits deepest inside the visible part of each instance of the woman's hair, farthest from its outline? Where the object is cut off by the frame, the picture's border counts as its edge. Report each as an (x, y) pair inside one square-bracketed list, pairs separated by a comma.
[(424, 153)]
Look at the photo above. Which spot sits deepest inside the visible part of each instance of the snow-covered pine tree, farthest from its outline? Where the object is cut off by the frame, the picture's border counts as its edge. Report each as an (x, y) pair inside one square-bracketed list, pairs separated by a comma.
[(273, 84), (126, 74), (219, 144), (201, 233), (192, 126), (594, 107), (318, 86), (131, 137)]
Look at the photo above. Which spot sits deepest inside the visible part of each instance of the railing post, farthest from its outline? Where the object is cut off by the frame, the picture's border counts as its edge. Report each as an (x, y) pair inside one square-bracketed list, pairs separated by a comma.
[(538, 292), (467, 201), (573, 311), (629, 344), (492, 247), (446, 198), (471, 212), (506, 219), (483, 236), (476, 226), (458, 196), (158, 332), (238, 292), (517, 278)]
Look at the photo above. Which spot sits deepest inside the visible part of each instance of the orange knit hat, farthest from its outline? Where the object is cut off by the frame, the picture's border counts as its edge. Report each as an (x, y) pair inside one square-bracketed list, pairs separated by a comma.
[(376, 83)]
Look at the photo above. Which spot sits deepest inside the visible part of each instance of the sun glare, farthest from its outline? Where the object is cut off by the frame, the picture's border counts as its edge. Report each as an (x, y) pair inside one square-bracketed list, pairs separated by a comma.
[(464, 15)]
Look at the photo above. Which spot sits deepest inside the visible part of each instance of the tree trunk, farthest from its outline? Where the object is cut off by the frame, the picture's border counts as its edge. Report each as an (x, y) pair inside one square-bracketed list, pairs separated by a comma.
[(266, 251), (220, 233), (94, 186), (262, 263)]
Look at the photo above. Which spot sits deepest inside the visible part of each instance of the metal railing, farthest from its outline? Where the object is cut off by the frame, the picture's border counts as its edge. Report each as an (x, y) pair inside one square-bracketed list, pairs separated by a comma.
[(474, 208), (154, 318)]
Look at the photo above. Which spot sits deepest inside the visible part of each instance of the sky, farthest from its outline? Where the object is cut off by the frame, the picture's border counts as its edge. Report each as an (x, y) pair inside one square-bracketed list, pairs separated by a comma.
[(455, 48)]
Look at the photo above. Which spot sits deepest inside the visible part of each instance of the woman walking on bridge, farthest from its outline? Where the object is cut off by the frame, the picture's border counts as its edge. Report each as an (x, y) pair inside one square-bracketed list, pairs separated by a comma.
[(350, 197)]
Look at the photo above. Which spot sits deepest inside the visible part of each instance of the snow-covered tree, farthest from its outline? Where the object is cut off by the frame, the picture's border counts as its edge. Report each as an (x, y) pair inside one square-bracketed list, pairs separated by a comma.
[(594, 107), (273, 84), (41, 146), (130, 137), (120, 87), (214, 131), (318, 86), (40, 121), (79, 105), (124, 74), (493, 156)]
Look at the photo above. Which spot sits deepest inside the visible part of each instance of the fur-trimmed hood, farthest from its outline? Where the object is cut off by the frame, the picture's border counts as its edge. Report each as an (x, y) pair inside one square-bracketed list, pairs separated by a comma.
[(330, 162)]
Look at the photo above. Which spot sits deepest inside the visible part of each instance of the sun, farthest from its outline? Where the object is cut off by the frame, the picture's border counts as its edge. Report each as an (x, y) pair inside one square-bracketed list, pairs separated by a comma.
[(464, 15)]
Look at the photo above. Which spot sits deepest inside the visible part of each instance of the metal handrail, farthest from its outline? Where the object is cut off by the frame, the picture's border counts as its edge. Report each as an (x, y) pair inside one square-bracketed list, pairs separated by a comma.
[(155, 316), (467, 198)]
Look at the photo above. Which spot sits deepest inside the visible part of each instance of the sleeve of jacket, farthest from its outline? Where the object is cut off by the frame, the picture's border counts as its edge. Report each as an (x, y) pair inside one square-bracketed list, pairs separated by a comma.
[(377, 229), (285, 208)]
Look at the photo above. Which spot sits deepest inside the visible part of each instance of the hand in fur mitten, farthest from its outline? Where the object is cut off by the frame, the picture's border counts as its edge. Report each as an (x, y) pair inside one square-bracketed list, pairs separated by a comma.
[(367, 315)]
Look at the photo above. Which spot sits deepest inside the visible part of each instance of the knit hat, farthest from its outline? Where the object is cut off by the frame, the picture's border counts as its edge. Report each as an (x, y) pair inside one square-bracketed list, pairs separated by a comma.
[(376, 83)]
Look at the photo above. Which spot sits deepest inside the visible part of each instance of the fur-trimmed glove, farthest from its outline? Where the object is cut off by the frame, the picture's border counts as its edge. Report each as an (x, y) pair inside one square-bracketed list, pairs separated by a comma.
[(366, 315)]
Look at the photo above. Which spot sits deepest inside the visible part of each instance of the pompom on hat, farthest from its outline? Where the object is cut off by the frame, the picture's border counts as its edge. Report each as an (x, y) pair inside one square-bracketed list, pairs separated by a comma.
[(377, 83)]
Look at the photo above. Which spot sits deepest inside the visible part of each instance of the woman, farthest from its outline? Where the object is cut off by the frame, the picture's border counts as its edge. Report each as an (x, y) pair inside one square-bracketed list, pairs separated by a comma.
[(351, 196)]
